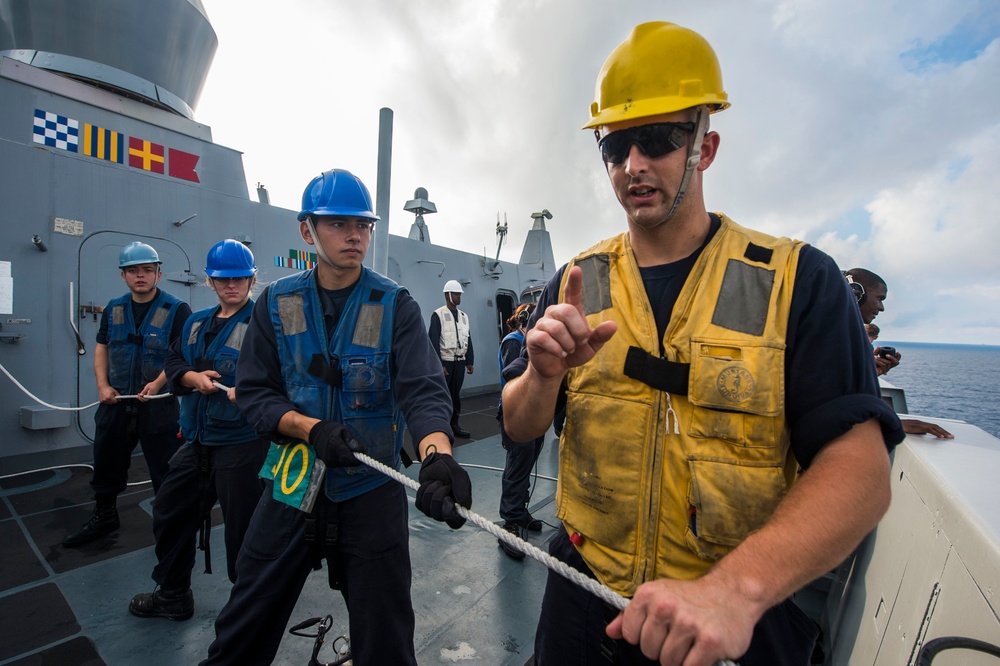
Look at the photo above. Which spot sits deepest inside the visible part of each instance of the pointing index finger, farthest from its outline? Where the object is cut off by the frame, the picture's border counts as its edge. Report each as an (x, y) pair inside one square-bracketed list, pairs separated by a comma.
[(573, 293)]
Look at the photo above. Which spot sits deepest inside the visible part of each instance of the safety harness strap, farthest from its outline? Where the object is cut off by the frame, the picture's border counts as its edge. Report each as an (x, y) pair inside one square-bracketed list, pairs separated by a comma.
[(331, 375), (204, 506), (661, 374), (323, 544)]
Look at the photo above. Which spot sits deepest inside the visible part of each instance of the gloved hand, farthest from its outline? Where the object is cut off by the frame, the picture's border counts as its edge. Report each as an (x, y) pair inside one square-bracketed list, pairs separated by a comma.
[(334, 444), (443, 483)]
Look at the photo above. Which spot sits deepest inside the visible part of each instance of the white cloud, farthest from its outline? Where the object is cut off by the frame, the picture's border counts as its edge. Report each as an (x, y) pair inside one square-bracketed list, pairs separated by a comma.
[(834, 136)]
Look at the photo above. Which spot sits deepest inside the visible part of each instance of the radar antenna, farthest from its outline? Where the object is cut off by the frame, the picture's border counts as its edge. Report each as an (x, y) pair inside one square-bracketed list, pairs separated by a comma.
[(420, 205), (501, 237)]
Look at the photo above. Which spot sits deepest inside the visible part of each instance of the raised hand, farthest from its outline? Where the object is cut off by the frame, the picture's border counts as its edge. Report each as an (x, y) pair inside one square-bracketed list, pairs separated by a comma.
[(562, 338)]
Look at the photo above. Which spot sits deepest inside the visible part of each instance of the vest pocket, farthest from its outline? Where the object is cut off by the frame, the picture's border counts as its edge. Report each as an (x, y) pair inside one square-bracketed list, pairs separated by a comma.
[(728, 499), (220, 411), (744, 378), (120, 365), (367, 405), (154, 353), (737, 392), (745, 430), (225, 365)]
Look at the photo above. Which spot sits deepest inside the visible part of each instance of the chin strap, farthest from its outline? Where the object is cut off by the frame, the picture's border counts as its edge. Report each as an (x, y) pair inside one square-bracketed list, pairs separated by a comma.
[(693, 158), (320, 252)]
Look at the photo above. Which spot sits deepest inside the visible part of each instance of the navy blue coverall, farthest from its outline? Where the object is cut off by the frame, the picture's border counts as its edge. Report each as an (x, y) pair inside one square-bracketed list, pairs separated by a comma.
[(219, 461), (372, 566)]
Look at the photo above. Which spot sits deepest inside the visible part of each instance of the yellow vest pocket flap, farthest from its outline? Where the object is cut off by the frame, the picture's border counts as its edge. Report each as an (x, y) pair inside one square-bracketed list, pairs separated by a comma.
[(729, 499), (743, 378)]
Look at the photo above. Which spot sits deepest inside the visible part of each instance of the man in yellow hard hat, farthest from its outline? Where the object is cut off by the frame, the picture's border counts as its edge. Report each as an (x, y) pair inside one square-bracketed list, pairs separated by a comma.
[(701, 364)]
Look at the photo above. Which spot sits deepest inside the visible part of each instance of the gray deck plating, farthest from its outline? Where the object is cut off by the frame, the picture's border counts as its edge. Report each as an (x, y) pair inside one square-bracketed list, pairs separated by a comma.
[(472, 602)]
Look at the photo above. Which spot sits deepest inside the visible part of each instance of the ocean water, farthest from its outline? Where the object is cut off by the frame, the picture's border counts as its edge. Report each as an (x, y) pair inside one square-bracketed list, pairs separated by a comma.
[(951, 381)]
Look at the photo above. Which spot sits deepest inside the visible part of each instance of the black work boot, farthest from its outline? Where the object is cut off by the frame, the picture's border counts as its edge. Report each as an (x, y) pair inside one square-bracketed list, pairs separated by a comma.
[(172, 604), (103, 521), (511, 552), (530, 523)]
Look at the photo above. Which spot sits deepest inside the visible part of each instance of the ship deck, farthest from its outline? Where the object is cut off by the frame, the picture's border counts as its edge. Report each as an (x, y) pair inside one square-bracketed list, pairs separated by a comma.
[(70, 606)]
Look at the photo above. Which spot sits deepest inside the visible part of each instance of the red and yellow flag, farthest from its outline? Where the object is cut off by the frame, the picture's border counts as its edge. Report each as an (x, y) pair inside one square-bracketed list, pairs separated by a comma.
[(145, 155)]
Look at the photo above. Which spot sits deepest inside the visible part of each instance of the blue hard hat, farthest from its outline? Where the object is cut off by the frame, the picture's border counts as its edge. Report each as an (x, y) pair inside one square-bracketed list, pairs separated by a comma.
[(136, 254), (230, 258), (337, 193)]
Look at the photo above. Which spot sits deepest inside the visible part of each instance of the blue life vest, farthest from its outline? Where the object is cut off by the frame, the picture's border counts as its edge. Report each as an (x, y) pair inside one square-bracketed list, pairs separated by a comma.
[(136, 358), (348, 379), (516, 335), (213, 419)]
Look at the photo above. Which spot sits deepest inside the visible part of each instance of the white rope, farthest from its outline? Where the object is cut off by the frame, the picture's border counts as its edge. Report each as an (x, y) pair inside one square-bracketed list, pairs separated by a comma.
[(46, 469), (603, 593), (74, 409), (147, 397), (66, 466)]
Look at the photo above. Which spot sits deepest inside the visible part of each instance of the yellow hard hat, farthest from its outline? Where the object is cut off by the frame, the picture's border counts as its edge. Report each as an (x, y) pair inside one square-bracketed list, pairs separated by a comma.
[(660, 68)]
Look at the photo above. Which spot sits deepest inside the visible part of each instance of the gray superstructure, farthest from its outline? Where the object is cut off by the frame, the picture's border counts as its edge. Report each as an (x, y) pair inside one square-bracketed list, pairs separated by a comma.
[(99, 147), (159, 52)]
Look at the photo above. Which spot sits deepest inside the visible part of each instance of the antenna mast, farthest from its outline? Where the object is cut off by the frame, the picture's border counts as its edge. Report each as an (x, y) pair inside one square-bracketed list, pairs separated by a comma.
[(501, 237)]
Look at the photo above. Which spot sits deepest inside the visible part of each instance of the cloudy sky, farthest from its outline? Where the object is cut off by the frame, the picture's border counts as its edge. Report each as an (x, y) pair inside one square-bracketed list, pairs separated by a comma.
[(869, 129)]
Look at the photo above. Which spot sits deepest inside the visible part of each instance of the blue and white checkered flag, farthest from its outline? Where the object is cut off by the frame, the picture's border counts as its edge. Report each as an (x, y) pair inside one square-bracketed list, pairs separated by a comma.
[(56, 131)]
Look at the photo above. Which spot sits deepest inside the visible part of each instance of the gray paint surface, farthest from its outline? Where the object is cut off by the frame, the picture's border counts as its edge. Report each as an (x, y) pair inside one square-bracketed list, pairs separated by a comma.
[(181, 214)]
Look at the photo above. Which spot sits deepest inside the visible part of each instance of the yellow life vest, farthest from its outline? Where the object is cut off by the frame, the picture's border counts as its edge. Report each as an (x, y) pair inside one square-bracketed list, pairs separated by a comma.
[(662, 480)]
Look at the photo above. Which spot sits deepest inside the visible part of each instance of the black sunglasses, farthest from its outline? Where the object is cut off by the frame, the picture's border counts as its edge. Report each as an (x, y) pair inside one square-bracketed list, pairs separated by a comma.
[(654, 140)]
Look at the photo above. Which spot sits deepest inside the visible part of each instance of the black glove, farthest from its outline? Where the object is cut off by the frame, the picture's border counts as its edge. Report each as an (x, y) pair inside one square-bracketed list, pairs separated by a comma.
[(443, 484), (334, 444)]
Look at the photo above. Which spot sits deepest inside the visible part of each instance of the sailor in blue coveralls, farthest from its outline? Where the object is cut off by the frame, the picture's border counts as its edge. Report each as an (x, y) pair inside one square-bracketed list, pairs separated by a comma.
[(515, 485), (132, 342), (222, 455), (337, 357)]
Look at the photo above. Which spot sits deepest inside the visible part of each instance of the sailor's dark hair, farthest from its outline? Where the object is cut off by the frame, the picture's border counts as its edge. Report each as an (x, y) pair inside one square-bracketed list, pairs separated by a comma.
[(520, 316), (867, 279)]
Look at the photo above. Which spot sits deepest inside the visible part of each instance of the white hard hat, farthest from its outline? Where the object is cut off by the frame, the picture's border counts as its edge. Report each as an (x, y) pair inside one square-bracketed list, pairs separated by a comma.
[(452, 287)]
